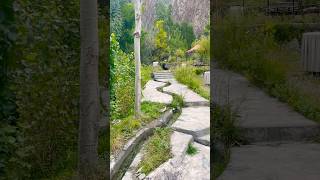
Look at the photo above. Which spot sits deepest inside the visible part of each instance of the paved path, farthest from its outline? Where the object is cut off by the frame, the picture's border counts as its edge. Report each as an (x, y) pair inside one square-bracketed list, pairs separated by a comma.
[(191, 127), (150, 93), (190, 98), (269, 125)]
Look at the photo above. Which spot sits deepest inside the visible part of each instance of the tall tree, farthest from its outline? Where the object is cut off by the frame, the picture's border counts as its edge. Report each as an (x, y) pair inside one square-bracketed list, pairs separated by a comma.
[(161, 40), (137, 34), (115, 17), (89, 90)]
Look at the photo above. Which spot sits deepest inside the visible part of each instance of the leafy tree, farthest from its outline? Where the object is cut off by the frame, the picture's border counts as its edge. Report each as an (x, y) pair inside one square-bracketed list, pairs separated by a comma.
[(179, 53), (126, 38), (204, 48), (147, 47), (176, 40), (161, 39), (187, 33), (163, 12), (122, 81)]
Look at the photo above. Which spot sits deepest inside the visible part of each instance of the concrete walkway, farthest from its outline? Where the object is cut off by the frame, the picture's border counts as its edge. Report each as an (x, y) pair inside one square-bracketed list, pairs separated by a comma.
[(273, 129), (150, 93), (191, 127)]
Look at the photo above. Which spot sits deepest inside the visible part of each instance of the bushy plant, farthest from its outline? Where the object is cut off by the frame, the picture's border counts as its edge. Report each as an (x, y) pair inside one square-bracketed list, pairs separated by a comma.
[(46, 86), (188, 76), (122, 81), (179, 54), (256, 52), (204, 48)]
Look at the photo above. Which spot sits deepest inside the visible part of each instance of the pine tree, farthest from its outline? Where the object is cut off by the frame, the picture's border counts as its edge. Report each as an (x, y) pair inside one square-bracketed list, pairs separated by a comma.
[(115, 17)]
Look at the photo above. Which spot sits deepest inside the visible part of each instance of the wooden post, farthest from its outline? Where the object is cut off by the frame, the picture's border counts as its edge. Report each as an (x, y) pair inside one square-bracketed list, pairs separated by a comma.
[(137, 34)]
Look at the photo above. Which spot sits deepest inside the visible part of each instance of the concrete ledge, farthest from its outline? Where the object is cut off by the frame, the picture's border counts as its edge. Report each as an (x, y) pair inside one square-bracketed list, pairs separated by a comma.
[(294, 161), (204, 140), (142, 134), (268, 134), (200, 103)]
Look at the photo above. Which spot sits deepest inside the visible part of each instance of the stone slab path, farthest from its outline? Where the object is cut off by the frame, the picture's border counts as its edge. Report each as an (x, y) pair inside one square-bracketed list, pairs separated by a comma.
[(268, 125), (188, 95), (191, 127), (194, 121), (150, 93), (294, 161)]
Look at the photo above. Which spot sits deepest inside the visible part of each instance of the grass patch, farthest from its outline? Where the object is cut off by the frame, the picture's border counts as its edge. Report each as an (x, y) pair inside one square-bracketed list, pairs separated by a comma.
[(151, 109), (157, 150), (188, 76), (146, 72), (220, 162), (177, 101), (225, 127), (225, 130), (191, 150), (125, 128)]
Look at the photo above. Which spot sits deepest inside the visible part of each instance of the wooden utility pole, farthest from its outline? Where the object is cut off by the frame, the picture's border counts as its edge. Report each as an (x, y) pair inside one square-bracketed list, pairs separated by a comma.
[(89, 90), (137, 34)]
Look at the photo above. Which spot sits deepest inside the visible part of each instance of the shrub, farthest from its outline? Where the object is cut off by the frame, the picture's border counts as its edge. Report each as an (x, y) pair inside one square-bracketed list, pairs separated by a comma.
[(122, 81), (187, 76)]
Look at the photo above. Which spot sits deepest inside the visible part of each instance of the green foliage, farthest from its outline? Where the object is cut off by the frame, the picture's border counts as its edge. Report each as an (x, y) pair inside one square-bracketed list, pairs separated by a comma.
[(257, 53), (48, 51), (124, 129), (188, 76), (44, 89), (161, 40), (146, 72), (191, 150), (157, 150), (204, 49), (147, 48), (121, 131), (177, 102), (128, 22), (284, 33), (151, 110), (220, 162), (122, 81), (8, 115), (115, 17), (187, 33), (180, 53), (161, 36), (225, 126)]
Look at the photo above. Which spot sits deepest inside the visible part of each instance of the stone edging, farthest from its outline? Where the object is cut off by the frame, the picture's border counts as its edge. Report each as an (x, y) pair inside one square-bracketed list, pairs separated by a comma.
[(116, 164)]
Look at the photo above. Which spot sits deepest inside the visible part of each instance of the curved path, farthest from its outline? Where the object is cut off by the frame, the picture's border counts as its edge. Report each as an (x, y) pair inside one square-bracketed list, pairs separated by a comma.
[(279, 137), (191, 127)]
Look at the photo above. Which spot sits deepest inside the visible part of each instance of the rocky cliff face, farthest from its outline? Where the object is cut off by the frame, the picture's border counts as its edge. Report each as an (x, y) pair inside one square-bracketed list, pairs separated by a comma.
[(195, 12)]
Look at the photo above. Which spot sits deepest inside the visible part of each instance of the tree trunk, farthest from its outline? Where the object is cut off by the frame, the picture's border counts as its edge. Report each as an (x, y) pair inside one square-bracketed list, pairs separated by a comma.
[(89, 90), (137, 34)]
